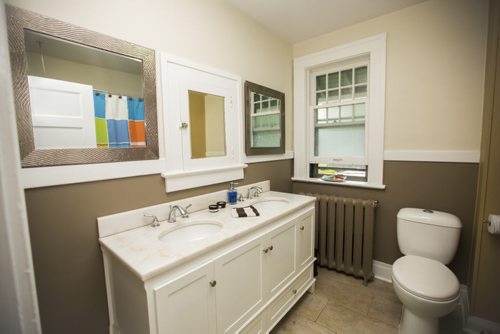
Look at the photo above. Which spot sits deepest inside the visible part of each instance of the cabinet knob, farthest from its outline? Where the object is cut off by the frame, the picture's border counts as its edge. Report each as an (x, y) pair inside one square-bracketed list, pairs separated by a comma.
[(271, 247), (266, 250), (184, 125), (294, 291), (213, 283), (301, 228)]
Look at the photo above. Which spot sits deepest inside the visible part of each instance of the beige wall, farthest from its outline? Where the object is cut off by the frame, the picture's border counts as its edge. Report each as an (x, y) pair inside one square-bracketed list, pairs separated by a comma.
[(67, 260), (435, 72), (207, 32), (197, 125), (100, 78)]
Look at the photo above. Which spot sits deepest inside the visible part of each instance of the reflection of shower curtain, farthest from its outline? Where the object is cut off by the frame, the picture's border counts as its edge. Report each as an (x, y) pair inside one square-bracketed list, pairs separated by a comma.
[(119, 121)]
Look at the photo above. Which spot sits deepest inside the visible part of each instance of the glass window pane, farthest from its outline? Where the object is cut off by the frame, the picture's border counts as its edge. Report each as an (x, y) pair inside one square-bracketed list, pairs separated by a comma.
[(266, 138), (333, 95), (256, 97), (321, 82), (359, 111), (273, 104), (320, 98), (346, 93), (361, 75), (346, 78), (333, 80), (256, 108), (265, 106), (346, 113), (360, 91), (340, 141), (333, 114)]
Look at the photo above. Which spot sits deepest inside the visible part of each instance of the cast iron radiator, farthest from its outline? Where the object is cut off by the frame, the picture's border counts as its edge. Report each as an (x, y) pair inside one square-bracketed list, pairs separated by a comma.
[(344, 234)]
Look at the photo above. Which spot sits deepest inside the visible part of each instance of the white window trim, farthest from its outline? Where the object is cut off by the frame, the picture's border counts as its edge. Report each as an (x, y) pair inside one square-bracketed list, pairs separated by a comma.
[(374, 46)]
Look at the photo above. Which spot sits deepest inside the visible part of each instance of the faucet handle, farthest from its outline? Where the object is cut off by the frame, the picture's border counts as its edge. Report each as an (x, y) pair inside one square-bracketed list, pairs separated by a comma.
[(155, 222), (186, 213)]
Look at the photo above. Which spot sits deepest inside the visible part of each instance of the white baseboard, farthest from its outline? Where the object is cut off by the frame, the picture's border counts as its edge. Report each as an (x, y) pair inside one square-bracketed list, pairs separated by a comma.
[(382, 271), (481, 326)]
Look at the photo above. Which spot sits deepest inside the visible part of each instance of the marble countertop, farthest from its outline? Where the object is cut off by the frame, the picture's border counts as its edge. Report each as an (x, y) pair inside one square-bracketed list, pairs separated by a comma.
[(142, 250)]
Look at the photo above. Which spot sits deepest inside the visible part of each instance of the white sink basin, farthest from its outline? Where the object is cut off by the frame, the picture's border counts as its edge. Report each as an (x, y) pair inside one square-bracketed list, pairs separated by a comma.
[(191, 231), (269, 203)]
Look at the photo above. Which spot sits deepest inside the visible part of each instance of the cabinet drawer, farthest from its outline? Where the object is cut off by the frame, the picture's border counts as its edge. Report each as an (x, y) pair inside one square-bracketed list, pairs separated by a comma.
[(256, 326), (280, 306)]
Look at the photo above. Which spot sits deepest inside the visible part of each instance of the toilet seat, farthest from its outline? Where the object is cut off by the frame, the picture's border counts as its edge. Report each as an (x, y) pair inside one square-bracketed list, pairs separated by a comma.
[(426, 278)]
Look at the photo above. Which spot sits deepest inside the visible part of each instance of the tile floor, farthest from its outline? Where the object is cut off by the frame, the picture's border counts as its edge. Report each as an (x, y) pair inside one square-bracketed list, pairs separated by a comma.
[(341, 304)]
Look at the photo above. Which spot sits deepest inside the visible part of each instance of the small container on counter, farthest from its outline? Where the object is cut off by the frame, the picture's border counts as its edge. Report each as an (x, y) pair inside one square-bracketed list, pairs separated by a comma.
[(213, 208)]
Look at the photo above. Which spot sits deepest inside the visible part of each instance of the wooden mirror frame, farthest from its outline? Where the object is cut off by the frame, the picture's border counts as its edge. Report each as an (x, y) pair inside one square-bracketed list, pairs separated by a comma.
[(256, 88), (20, 19)]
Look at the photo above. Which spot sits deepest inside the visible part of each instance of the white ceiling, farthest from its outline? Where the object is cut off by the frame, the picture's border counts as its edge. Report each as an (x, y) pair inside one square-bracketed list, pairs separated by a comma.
[(298, 20)]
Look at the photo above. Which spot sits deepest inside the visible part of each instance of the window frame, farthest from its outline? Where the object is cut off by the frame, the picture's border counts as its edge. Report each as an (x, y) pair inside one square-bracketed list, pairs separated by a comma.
[(375, 48), (337, 67)]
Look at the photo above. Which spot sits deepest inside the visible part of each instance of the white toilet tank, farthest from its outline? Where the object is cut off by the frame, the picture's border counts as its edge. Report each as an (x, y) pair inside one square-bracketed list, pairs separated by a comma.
[(427, 233)]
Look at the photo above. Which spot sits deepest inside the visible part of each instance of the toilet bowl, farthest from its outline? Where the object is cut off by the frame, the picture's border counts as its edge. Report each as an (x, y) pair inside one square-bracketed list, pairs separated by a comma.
[(428, 291), (426, 287)]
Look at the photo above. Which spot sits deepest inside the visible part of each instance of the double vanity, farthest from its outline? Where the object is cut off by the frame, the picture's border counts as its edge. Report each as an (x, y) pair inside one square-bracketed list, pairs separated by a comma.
[(209, 272)]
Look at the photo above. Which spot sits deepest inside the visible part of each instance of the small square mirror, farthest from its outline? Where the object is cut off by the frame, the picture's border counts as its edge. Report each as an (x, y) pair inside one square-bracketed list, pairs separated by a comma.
[(264, 120)]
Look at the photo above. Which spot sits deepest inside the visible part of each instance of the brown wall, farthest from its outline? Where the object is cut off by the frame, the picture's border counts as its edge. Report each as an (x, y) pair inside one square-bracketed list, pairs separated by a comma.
[(67, 259), (448, 187)]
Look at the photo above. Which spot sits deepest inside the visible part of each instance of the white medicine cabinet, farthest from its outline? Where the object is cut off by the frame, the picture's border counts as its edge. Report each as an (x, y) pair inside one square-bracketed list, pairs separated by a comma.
[(202, 122)]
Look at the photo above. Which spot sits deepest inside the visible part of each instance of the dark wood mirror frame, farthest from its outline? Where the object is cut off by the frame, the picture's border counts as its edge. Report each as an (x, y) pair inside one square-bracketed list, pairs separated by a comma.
[(18, 20), (256, 88)]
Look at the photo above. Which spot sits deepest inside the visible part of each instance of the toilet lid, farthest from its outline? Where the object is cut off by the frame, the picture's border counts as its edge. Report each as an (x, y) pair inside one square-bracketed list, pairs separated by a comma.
[(425, 278)]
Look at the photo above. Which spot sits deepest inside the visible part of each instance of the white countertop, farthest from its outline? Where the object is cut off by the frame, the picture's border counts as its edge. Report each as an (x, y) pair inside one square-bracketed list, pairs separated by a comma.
[(147, 255)]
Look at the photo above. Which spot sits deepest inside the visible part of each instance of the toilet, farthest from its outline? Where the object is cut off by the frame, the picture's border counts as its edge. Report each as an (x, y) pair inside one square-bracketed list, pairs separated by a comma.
[(426, 287)]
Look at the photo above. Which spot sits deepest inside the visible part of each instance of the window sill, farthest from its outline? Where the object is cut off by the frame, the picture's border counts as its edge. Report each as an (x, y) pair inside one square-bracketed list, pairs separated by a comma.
[(354, 184)]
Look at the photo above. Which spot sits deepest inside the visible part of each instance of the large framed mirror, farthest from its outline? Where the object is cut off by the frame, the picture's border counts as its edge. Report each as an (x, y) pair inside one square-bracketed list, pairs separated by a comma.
[(264, 120), (81, 97)]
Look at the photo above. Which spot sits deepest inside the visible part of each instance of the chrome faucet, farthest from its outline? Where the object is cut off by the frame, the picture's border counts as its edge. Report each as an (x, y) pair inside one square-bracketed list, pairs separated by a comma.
[(155, 222), (256, 190), (182, 211)]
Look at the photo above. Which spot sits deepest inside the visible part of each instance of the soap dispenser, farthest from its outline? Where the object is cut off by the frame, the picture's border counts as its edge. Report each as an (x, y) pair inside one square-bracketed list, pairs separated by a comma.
[(232, 194)]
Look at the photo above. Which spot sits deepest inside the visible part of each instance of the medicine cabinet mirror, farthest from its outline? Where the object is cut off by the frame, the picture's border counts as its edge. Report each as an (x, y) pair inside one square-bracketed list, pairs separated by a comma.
[(81, 97), (207, 130), (264, 120), (202, 123)]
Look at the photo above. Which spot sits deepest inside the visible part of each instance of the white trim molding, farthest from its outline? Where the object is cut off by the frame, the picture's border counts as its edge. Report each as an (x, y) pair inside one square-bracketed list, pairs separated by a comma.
[(58, 175), (250, 159), (182, 171), (19, 310), (375, 47), (464, 156), (382, 271)]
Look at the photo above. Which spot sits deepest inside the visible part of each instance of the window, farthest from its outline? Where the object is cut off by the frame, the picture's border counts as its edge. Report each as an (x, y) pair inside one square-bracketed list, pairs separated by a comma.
[(339, 113), (338, 102)]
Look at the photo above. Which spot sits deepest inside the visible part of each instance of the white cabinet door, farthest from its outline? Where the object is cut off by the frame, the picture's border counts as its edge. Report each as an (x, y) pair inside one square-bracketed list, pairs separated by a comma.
[(187, 305), (305, 242), (62, 114), (279, 258), (239, 286)]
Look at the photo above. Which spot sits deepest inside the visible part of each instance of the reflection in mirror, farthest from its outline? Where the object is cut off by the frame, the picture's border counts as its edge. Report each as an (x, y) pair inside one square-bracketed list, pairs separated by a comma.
[(265, 115), (83, 97), (78, 91), (207, 130)]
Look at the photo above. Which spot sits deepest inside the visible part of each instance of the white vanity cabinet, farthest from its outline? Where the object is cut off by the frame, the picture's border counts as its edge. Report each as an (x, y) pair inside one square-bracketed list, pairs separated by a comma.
[(244, 286)]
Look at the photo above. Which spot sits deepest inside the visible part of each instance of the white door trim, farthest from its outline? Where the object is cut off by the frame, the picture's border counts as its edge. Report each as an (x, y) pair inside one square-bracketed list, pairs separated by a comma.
[(19, 306)]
